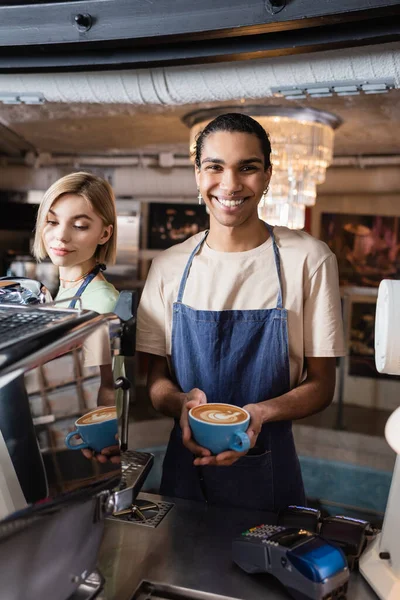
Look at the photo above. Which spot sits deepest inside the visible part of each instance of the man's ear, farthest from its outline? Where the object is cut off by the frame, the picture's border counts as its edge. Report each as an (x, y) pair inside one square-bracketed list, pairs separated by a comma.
[(268, 174), (107, 233), (197, 175)]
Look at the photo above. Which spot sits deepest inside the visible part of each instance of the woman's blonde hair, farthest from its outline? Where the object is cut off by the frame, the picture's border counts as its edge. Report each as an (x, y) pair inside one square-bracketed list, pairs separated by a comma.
[(98, 193)]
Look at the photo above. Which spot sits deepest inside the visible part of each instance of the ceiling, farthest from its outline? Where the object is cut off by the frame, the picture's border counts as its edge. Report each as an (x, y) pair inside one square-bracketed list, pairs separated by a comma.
[(371, 125)]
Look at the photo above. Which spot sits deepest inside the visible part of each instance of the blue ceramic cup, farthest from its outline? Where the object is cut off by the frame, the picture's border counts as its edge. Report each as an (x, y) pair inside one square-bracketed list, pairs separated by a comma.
[(97, 429), (220, 427)]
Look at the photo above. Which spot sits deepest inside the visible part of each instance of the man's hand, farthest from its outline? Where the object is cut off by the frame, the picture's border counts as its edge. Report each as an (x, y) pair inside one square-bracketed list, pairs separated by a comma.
[(256, 422), (225, 459), (111, 454), (192, 398)]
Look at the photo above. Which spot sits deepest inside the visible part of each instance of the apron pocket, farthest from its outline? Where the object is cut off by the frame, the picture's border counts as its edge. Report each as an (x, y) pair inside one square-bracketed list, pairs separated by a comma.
[(248, 483)]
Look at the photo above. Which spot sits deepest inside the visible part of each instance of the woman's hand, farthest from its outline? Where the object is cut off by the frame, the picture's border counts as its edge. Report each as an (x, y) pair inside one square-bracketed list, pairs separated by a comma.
[(225, 459), (110, 454), (192, 398)]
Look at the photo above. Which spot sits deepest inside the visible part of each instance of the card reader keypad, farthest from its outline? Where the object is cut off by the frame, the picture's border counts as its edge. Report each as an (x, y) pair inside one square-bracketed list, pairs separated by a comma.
[(263, 532)]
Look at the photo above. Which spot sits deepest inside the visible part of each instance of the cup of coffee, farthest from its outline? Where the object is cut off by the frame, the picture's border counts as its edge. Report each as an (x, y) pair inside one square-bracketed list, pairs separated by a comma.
[(97, 428), (220, 427)]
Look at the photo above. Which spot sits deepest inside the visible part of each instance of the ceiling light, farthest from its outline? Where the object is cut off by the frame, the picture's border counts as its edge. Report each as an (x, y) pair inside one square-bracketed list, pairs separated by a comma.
[(373, 87), (319, 90), (321, 95), (9, 99), (295, 97), (340, 88), (302, 149), (345, 89), (291, 91), (24, 98)]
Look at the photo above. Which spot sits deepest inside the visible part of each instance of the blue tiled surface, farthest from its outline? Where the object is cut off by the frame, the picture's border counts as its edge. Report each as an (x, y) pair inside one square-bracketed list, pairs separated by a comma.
[(344, 484)]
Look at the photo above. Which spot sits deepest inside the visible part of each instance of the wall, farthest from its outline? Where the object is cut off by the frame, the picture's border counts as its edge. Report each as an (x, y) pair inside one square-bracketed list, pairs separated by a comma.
[(372, 191), (179, 182)]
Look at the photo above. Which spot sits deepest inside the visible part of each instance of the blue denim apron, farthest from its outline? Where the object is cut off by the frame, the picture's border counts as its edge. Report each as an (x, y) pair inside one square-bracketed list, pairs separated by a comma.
[(238, 357), (88, 279)]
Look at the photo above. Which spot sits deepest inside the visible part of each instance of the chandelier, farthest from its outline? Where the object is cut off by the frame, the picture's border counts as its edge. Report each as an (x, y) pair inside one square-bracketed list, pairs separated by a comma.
[(302, 149)]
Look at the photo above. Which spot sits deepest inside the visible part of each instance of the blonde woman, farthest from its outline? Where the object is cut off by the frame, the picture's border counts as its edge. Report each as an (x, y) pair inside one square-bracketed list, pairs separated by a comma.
[(76, 229)]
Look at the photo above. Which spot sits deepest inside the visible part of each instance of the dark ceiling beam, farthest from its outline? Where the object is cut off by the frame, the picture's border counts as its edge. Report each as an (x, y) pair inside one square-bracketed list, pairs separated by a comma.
[(217, 50), (142, 33), (12, 144), (25, 23)]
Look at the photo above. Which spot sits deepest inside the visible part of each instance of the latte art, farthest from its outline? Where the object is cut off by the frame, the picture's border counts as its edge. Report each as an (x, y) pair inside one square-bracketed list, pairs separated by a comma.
[(215, 416), (98, 416), (221, 414)]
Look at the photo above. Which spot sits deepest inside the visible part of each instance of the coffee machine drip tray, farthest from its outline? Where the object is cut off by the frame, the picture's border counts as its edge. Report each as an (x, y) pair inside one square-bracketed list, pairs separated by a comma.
[(143, 512), (90, 588)]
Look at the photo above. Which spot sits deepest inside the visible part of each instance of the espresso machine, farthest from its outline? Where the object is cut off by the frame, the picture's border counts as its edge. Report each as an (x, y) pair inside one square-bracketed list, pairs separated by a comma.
[(53, 500), (380, 563)]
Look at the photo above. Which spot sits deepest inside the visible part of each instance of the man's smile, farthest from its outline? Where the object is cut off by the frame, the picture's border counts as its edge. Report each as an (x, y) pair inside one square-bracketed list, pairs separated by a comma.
[(229, 202)]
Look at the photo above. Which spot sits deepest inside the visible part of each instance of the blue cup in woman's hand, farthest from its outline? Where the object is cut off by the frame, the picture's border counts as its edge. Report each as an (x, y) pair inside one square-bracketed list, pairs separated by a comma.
[(98, 430), (220, 427)]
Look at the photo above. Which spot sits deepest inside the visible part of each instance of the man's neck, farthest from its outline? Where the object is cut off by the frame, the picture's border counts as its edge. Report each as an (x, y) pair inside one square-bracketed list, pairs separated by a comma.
[(237, 239)]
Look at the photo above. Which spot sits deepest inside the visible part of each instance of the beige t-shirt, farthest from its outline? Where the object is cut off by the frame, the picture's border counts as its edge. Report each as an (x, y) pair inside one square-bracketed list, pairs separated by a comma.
[(248, 280)]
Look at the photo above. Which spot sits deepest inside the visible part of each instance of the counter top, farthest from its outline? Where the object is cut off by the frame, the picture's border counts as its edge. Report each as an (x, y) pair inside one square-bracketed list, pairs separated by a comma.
[(190, 548)]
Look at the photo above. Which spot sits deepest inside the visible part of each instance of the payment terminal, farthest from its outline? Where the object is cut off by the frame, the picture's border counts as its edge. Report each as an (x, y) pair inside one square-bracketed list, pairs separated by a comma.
[(307, 565)]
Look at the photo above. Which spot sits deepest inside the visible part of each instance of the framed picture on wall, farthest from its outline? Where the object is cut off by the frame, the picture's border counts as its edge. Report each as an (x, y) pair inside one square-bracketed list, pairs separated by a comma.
[(361, 334), (362, 342), (366, 246), (171, 224)]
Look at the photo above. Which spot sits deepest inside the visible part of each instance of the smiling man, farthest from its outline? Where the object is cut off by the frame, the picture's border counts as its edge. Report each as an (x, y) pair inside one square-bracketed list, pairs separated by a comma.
[(244, 314)]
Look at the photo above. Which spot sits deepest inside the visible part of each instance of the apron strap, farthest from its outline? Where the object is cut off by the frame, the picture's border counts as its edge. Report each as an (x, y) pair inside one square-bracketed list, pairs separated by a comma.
[(187, 268), (279, 303), (95, 271)]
